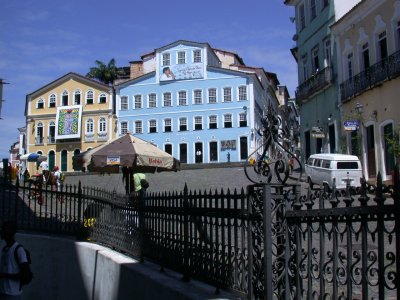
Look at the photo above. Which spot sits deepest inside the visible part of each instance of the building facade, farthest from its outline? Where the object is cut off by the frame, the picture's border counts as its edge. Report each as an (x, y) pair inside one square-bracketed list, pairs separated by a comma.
[(67, 116), (317, 93), (368, 47), (201, 105)]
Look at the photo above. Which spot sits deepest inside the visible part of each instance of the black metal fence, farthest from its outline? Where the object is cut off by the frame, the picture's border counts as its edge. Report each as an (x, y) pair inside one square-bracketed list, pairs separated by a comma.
[(270, 242)]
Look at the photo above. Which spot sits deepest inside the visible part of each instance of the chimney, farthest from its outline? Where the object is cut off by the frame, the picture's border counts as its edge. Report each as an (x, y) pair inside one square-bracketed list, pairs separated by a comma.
[(136, 69)]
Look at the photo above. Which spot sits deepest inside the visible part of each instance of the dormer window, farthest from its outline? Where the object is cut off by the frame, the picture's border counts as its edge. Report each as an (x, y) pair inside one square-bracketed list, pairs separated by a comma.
[(65, 98), (40, 104), (181, 57), (166, 59)]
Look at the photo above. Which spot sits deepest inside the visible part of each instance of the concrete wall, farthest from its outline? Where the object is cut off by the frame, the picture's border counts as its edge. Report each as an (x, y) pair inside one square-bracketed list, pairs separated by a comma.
[(67, 269)]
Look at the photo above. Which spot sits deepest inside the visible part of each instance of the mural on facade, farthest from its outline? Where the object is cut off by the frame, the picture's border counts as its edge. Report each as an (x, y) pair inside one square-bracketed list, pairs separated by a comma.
[(69, 122), (181, 72), (228, 144)]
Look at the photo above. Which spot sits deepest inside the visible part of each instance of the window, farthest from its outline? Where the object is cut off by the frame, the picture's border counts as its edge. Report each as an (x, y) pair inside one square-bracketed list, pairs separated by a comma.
[(228, 121), (40, 104), (167, 99), (39, 133), (347, 165), (328, 52), (152, 100), (89, 126), (77, 97), (102, 125), (64, 98), (304, 67), (166, 59), (138, 101), (325, 3), (52, 100), (212, 122), (181, 57), (182, 124), (242, 93), (198, 96), (198, 123), (167, 125), (102, 98), (168, 148), (382, 46), (302, 17), (398, 36), (52, 132), (152, 126), (138, 127), (350, 66), (242, 120), (182, 98), (196, 56), (124, 128), (315, 59), (365, 56), (228, 94), (212, 95), (124, 103), (313, 9), (89, 97), (326, 164)]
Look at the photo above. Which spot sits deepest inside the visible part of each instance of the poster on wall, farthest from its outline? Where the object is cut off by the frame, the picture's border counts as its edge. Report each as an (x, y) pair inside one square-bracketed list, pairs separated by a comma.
[(228, 144), (181, 72), (68, 122)]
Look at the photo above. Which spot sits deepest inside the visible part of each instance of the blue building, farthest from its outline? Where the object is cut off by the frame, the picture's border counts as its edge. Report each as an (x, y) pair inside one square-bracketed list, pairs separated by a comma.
[(200, 104)]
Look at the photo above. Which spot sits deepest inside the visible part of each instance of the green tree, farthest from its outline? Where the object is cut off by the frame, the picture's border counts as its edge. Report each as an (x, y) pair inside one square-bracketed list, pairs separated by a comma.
[(393, 142), (102, 72)]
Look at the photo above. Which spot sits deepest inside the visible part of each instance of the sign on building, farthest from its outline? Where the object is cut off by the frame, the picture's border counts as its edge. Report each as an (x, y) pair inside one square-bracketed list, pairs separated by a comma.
[(68, 122), (317, 132), (228, 144), (351, 125)]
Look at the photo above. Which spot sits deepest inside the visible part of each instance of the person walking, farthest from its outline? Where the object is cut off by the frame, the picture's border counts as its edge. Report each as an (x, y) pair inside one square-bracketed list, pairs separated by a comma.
[(45, 167), (58, 175), (13, 266), (140, 183)]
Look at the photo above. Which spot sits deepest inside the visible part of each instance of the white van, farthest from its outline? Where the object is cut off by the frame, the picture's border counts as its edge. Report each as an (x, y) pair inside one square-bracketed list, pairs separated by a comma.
[(323, 168)]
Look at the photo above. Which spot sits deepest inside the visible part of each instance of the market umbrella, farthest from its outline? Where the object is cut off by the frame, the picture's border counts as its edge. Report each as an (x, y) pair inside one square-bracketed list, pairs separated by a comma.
[(33, 157), (127, 151)]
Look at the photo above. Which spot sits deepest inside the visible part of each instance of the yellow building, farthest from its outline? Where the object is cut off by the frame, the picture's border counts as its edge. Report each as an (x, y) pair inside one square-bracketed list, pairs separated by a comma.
[(368, 48), (67, 116)]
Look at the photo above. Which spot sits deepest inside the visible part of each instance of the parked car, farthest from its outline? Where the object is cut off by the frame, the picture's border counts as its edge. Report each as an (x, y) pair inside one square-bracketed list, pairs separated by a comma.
[(324, 168)]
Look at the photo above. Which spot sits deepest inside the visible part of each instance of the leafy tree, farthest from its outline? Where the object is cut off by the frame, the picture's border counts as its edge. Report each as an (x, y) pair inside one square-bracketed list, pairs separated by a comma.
[(102, 72), (393, 142)]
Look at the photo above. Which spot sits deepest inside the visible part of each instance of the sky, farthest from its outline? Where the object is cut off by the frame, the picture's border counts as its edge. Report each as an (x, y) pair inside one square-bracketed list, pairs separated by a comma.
[(42, 40)]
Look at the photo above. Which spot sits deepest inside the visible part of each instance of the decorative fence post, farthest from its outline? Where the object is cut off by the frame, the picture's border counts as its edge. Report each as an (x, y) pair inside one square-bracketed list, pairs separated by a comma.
[(396, 199), (186, 253), (80, 221)]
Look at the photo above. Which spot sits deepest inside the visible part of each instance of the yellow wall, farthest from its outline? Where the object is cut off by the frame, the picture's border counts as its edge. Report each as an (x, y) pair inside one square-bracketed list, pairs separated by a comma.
[(46, 115)]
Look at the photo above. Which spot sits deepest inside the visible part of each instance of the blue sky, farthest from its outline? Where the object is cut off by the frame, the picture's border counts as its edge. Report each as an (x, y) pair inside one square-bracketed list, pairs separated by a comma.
[(42, 40)]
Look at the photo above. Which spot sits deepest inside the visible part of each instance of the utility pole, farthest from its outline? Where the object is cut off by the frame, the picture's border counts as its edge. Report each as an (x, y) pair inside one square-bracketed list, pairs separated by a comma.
[(1, 94)]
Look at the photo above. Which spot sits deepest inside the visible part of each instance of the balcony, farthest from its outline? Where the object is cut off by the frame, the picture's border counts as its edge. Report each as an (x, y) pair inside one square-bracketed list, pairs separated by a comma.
[(51, 140), (39, 140), (102, 136), (314, 84), (373, 76), (89, 137)]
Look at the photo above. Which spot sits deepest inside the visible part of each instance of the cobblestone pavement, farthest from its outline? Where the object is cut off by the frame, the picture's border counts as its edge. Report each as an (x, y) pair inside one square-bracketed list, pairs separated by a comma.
[(196, 179)]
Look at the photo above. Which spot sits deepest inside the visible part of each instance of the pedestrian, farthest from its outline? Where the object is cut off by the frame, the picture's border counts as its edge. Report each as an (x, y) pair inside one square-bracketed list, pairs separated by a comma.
[(45, 167), (58, 175), (26, 175), (140, 184), (14, 267)]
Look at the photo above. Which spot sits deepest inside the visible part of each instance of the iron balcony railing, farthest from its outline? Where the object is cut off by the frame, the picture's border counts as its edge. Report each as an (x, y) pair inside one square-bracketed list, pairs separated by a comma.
[(51, 140), (315, 83), (89, 137), (39, 140), (386, 69), (102, 136)]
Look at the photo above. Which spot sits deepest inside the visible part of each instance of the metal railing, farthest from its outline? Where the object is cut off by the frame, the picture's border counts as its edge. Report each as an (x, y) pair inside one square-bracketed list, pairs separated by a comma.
[(39, 140), (373, 76), (315, 83)]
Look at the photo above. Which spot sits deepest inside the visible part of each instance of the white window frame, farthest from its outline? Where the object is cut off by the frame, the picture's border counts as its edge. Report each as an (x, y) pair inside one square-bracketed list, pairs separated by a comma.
[(86, 98), (197, 56), (64, 93), (327, 52), (216, 95), (349, 65), (313, 9), (150, 125), (242, 117), (105, 96), (230, 94), (170, 100), (231, 120), (102, 123), (138, 125), (302, 16), (315, 56), (152, 103), (180, 122), (123, 127), (196, 99), (78, 92), (165, 124), (53, 99), (216, 121), (40, 101), (196, 122), (126, 101), (181, 60), (364, 47), (241, 94), (135, 102), (378, 41), (166, 59), (89, 126), (179, 98)]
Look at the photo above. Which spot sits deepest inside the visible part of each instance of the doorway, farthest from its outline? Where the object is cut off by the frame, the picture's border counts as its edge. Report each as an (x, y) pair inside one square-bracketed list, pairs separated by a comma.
[(243, 148), (371, 151), (198, 151), (183, 153)]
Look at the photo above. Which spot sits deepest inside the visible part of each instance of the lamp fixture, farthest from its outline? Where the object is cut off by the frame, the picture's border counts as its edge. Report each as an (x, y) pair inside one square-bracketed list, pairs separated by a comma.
[(330, 118), (359, 108)]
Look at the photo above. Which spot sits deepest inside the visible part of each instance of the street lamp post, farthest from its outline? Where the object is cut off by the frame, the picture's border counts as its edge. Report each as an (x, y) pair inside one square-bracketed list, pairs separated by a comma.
[(359, 108)]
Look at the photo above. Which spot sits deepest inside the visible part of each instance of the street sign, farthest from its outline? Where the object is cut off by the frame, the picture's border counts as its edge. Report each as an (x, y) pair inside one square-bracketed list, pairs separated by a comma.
[(317, 132), (351, 125)]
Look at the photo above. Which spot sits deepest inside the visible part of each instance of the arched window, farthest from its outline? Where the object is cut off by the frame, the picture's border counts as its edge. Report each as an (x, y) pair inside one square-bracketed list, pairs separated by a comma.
[(76, 152), (89, 97), (52, 100), (102, 125), (64, 100), (77, 97), (89, 126), (64, 160), (51, 160), (52, 133), (103, 98), (40, 103), (39, 133)]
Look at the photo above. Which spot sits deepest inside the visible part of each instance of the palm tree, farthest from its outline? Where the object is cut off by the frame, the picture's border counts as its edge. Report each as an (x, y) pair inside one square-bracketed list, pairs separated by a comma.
[(102, 72)]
